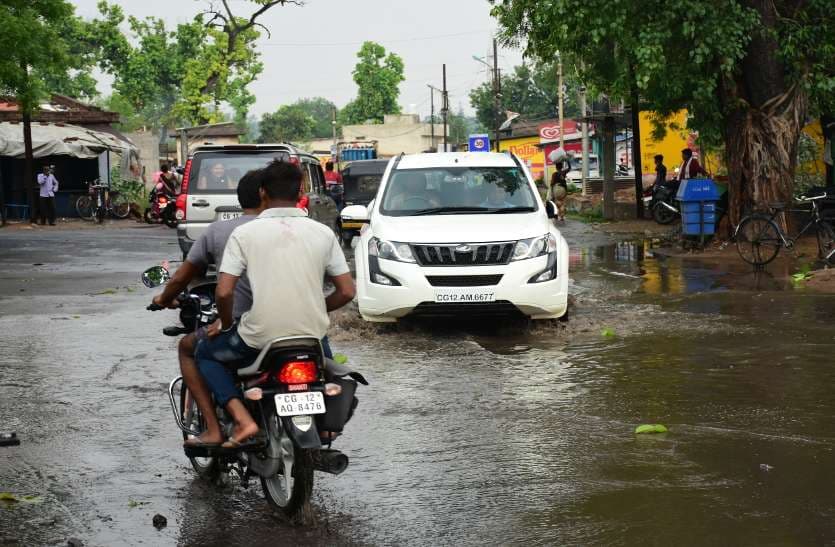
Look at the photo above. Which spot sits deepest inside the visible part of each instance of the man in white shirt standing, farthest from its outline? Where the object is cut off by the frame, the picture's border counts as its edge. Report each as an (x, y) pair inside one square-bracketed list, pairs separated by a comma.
[(285, 255), (46, 204)]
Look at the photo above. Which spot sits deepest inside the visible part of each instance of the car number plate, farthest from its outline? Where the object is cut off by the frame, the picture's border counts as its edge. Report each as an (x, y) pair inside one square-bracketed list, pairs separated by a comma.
[(230, 216), (304, 402), (456, 296)]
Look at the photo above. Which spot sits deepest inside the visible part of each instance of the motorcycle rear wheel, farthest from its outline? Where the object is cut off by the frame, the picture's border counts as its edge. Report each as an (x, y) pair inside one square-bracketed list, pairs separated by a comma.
[(662, 215), (301, 488), (206, 468), (84, 207)]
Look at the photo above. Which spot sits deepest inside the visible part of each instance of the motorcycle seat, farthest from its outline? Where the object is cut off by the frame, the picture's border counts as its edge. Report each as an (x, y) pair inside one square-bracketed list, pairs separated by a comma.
[(314, 344)]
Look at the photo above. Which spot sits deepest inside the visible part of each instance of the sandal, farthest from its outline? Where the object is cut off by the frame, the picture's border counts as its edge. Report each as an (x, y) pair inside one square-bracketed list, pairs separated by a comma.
[(197, 442)]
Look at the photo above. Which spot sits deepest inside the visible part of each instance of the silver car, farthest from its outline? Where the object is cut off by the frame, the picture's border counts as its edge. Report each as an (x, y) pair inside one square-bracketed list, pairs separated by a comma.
[(209, 189)]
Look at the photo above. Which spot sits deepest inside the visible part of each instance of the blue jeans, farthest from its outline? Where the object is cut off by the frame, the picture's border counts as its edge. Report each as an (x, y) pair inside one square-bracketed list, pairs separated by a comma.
[(216, 356)]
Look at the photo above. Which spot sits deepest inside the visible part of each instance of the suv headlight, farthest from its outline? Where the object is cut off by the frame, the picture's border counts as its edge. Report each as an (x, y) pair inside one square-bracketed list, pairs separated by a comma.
[(390, 250), (534, 246)]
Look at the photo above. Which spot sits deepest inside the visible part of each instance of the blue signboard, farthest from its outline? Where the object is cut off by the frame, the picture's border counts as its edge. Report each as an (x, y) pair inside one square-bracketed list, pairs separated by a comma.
[(479, 143)]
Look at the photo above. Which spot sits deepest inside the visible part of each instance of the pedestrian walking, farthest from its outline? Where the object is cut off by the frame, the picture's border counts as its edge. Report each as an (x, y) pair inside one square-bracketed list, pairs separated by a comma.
[(558, 189), (46, 204)]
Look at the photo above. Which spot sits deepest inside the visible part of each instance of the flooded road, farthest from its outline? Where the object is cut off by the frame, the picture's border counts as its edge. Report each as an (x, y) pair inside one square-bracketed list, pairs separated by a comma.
[(469, 434)]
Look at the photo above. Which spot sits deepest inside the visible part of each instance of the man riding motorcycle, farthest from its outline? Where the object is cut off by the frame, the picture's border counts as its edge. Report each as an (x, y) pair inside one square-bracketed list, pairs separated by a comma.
[(208, 249), (285, 255)]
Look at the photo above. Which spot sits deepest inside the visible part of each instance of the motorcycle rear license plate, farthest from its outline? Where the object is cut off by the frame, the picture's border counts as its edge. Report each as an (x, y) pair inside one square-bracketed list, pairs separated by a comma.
[(229, 216), (296, 404), (454, 296)]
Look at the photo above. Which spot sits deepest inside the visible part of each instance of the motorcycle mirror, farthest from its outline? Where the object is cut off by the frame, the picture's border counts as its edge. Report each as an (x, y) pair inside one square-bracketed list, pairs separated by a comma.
[(155, 276)]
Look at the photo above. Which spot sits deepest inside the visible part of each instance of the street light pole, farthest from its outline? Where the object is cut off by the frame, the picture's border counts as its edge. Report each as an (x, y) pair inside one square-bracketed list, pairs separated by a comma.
[(496, 91), (560, 100), (445, 110), (432, 91), (333, 127)]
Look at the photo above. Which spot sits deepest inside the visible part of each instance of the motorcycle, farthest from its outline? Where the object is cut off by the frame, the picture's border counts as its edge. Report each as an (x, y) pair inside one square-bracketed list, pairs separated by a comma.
[(162, 208), (661, 201), (291, 391)]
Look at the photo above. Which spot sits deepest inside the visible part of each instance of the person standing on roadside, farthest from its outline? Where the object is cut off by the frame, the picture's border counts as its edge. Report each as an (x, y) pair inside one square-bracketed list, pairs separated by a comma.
[(660, 171), (690, 166), (558, 189), (48, 185)]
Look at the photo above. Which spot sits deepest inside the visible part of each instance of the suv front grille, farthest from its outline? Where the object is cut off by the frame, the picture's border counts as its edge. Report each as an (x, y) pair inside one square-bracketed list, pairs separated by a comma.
[(472, 254), (463, 280)]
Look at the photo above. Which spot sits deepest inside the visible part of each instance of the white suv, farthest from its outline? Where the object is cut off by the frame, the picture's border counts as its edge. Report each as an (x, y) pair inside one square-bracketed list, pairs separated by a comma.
[(458, 233)]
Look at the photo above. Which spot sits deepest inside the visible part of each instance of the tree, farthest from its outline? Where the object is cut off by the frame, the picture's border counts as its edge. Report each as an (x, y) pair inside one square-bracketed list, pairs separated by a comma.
[(378, 78), (290, 123), (227, 64), (748, 71), (530, 90), (321, 110), (32, 46)]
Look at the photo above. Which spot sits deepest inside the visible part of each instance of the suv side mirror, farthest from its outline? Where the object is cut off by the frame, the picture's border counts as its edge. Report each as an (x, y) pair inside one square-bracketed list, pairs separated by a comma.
[(551, 209), (355, 213)]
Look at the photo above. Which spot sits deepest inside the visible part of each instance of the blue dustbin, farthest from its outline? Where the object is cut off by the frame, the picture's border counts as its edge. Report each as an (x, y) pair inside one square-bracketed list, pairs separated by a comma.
[(698, 199)]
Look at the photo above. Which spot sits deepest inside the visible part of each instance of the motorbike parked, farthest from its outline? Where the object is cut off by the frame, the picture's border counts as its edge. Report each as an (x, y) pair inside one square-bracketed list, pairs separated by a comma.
[(162, 208), (292, 392), (660, 201)]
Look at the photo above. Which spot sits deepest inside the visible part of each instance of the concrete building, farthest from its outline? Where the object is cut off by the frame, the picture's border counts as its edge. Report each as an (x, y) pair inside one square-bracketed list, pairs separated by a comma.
[(148, 144), (398, 133), (214, 133)]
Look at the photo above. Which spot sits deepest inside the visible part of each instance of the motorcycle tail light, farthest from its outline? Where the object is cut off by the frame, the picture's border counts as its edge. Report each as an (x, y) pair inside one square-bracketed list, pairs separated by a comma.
[(298, 372), (163, 201)]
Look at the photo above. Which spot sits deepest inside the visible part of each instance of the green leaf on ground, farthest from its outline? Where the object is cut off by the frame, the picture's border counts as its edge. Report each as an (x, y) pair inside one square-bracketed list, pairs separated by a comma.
[(9, 497), (607, 332), (651, 428), (108, 291), (340, 358), (134, 503)]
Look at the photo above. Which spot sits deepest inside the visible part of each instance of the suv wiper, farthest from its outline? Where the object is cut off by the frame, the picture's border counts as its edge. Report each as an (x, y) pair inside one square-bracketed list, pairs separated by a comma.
[(525, 209), (442, 210)]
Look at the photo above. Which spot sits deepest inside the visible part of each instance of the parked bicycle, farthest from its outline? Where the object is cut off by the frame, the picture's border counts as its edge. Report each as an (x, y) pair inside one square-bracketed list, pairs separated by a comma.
[(100, 201), (759, 236)]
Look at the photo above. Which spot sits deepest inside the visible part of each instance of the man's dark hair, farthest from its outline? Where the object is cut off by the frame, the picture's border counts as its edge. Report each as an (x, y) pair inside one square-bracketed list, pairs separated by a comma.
[(328, 166), (659, 157), (248, 187), (687, 153), (282, 180), (164, 168)]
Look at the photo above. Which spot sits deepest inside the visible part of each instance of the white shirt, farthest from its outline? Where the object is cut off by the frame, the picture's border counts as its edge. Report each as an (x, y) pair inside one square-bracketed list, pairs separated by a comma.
[(285, 255), (48, 184)]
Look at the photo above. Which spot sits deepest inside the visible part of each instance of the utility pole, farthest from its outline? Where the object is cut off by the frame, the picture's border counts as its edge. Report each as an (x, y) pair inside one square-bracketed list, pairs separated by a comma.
[(335, 152), (584, 173), (445, 109), (432, 91), (560, 100), (496, 91), (608, 163), (636, 151)]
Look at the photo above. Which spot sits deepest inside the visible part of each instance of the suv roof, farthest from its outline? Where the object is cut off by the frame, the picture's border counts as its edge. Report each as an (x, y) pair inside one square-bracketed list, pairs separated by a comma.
[(290, 148), (456, 159)]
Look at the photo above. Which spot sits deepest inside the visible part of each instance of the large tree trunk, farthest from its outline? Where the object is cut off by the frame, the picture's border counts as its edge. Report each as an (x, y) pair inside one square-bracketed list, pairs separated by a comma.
[(764, 117), (30, 185)]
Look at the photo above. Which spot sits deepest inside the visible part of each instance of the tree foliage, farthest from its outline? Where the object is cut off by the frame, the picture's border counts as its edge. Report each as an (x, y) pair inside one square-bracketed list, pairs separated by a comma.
[(378, 78), (747, 71), (531, 90), (33, 47), (290, 123), (321, 110)]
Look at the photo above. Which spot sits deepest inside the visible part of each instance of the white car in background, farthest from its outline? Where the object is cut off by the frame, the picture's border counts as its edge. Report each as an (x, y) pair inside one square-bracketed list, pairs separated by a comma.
[(458, 234)]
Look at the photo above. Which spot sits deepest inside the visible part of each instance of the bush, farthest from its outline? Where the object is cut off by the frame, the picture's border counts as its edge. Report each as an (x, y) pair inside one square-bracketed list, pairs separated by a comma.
[(133, 190)]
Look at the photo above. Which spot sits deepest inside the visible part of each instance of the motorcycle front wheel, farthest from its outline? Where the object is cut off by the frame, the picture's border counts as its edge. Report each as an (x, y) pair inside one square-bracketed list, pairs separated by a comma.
[(206, 468), (662, 214), (301, 481)]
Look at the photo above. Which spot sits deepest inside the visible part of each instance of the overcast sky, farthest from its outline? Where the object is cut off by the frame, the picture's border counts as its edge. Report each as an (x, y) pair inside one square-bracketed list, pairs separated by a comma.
[(312, 50)]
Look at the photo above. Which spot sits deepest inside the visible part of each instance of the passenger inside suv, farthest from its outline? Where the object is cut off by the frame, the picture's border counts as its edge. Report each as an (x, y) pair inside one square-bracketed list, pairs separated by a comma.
[(216, 178)]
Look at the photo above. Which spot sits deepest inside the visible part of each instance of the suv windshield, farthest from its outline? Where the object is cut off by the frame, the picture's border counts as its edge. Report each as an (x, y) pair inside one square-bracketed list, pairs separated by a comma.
[(458, 190), (219, 172)]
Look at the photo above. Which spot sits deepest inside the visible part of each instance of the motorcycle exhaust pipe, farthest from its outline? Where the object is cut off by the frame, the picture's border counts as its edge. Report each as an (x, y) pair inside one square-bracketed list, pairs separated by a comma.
[(331, 461)]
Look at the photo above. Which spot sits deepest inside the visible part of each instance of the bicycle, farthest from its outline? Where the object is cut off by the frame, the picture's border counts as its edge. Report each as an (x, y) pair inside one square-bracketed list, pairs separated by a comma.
[(759, 238), (99, 201)]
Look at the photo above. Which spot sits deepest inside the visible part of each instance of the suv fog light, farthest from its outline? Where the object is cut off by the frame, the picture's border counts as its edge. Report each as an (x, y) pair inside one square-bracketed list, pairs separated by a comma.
[(381, 279), (545, 276), (179, 215)]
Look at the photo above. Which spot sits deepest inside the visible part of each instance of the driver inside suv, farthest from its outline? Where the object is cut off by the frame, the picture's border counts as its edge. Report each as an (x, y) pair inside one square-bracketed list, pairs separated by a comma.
[(413, 193)]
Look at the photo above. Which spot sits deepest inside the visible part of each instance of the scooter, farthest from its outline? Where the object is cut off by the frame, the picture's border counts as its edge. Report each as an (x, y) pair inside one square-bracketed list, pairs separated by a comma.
[(162, 208), (291, 390)]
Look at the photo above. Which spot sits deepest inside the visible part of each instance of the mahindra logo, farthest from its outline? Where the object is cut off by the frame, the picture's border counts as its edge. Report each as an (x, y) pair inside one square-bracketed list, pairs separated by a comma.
[(463, 249)]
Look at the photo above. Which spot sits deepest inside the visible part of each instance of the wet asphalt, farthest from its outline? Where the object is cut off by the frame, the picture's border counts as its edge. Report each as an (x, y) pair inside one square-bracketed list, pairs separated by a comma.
[(471, 433)]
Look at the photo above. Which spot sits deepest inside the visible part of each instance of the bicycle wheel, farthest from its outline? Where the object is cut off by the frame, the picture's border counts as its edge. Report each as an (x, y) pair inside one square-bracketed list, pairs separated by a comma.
[(826, 242), (84, 207), (758, 240), (120, 206)]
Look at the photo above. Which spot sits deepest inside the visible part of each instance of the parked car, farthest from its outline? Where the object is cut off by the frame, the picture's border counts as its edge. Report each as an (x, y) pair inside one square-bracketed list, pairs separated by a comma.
[(209, 188), (360, 181), (575, 176), (459, 234)]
